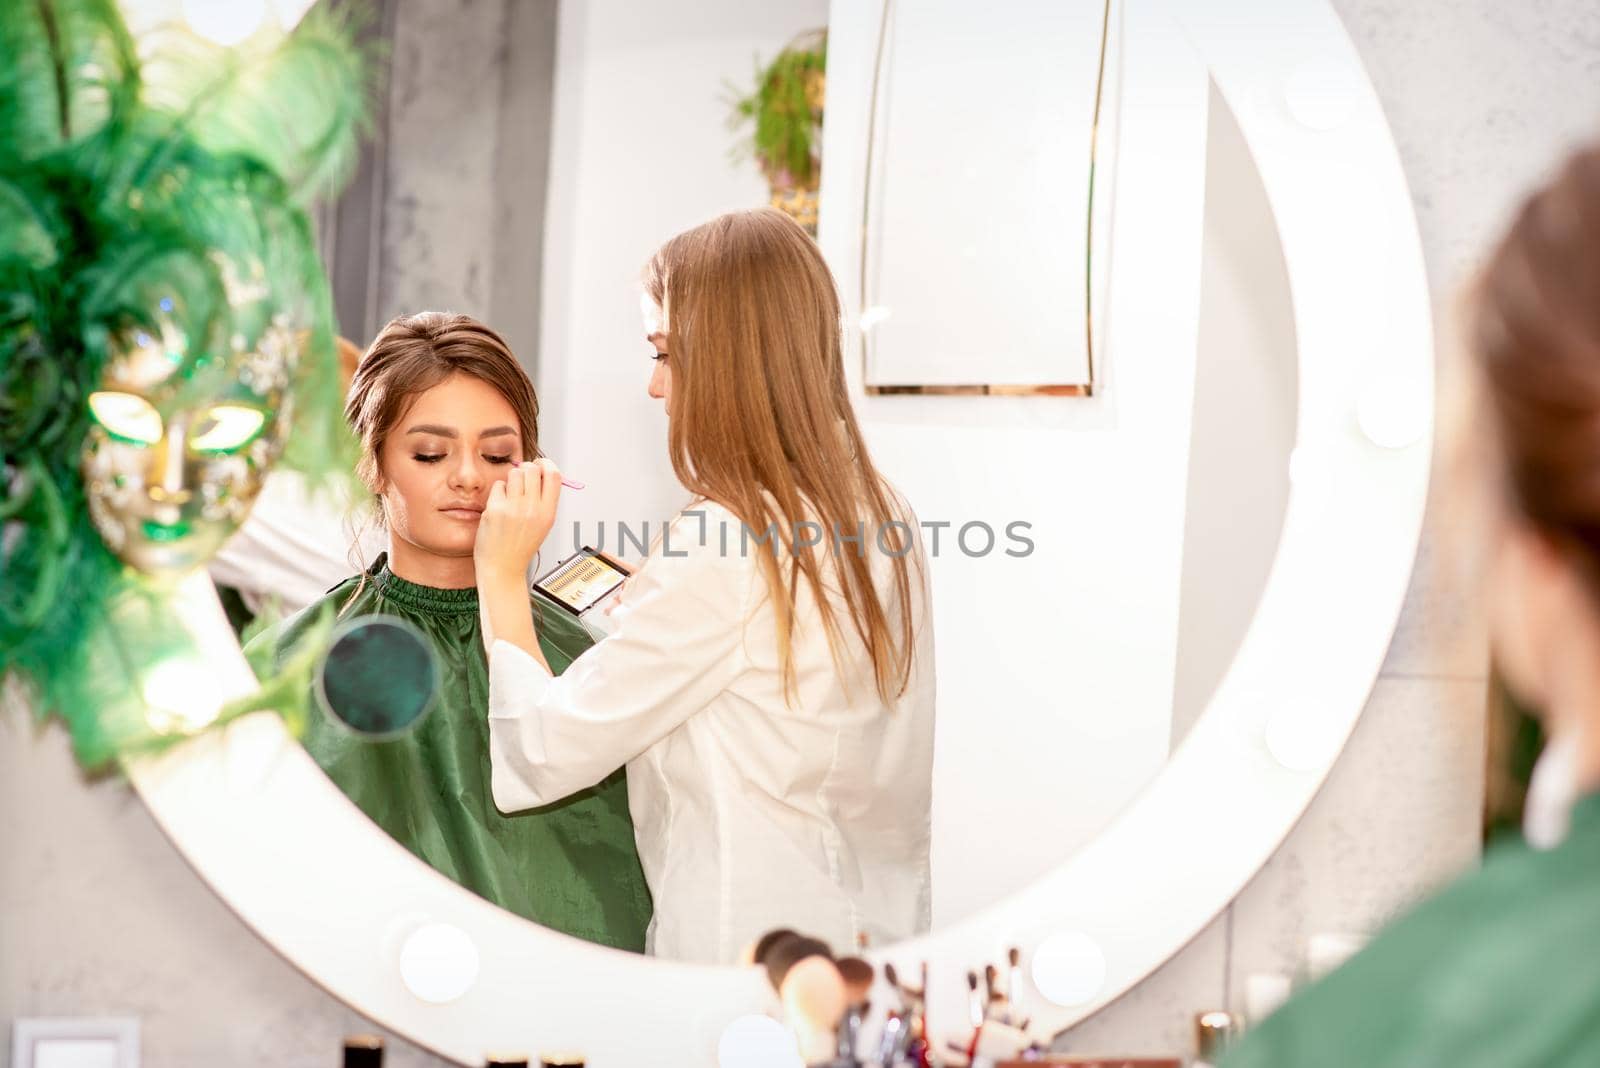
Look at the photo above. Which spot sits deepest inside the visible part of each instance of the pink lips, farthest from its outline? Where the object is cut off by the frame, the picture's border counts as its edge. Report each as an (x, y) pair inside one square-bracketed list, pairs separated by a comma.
[(465, 514)]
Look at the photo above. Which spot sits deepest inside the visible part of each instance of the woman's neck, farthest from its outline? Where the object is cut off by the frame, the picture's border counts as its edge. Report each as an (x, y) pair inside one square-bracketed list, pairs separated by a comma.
[(418, 565), (1572, 698)]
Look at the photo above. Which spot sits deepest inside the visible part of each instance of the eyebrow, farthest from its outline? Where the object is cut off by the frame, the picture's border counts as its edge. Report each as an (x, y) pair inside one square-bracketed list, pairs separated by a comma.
[(449, 432)]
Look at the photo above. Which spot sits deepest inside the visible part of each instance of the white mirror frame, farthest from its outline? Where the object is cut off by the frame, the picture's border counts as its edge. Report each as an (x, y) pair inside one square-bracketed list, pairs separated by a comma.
[(277, 841)]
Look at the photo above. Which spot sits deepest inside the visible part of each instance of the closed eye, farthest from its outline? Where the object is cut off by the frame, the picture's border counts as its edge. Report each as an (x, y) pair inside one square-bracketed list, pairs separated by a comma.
[(658, 357), (498, 459), (426, 458)]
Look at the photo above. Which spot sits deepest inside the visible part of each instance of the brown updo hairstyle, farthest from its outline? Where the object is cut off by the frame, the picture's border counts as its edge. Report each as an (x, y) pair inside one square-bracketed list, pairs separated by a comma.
[(1535, 334), (414, 353), (411, 355)]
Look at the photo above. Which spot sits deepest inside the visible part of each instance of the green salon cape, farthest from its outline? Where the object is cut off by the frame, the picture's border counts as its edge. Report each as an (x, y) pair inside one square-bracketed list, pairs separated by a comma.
[(1501, 970), (571, 866)]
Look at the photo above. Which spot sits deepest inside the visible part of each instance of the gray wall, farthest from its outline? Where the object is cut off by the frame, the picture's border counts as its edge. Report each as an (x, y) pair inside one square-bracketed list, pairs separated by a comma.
[(98, 915), (446, 209)]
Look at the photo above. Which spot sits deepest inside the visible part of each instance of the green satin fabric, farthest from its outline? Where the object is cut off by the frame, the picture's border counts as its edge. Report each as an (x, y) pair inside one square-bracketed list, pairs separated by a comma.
[(1498, 971), (571, 866)]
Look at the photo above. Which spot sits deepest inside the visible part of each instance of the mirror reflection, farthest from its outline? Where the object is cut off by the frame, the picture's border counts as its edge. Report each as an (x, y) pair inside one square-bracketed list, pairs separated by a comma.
[(708, 753)]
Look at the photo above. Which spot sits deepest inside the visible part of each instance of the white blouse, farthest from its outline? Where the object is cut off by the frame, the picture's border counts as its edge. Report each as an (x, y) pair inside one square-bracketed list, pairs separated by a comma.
[(750, 814)]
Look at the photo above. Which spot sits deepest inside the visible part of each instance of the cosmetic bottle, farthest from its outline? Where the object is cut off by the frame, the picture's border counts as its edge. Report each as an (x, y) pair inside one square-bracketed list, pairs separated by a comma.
[(505, 1060), (363, 1051), (561, 1060), (1214, 1032)]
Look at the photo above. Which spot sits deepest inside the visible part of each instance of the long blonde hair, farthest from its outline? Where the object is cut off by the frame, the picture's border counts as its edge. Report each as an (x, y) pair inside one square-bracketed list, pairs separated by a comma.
[(760, 406)]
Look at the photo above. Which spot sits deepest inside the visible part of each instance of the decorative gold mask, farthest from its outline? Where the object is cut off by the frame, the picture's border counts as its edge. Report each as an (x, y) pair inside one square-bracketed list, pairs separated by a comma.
[(182, 439)]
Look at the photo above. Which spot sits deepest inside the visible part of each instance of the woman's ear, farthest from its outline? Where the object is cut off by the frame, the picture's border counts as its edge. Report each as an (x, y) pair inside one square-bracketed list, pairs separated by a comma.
[(1522, 588), (1541, 608)]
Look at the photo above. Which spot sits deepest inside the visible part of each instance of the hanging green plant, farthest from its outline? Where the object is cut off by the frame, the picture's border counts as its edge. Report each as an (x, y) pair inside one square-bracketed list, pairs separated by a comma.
[(784, 119)]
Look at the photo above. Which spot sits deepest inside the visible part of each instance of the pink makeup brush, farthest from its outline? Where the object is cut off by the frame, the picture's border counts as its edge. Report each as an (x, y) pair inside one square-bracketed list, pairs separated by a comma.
[(570, 483)]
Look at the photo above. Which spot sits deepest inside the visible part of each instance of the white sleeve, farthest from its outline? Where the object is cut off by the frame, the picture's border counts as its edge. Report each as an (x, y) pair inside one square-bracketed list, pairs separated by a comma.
[(677, 640), (293, 547)]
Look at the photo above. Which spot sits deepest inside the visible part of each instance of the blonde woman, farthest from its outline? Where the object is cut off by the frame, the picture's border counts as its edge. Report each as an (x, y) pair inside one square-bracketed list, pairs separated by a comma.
[(769, 676)]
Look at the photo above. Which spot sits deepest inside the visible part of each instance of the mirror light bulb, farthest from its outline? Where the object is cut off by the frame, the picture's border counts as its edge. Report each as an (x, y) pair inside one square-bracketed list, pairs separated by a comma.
[(181, 695), (225, 22), (1069, 968), (438, 963), (290, 12), (758, 1042), (1301, 738)]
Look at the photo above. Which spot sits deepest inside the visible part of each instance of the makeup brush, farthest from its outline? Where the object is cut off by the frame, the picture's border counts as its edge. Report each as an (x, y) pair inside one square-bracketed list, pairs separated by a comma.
[(857, 975), (850, 1031), (894, 981), (1014, 983), (809, 985), (570, 483), (890, 1038), (756, 952), (975, 1014)]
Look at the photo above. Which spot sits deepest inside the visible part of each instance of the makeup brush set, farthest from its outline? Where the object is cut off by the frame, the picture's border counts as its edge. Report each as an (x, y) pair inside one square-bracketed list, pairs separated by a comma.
[(999, 1030), (827, 1003)]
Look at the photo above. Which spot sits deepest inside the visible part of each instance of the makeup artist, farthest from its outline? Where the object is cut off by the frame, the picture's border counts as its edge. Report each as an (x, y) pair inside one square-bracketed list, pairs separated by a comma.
[(768, 680)]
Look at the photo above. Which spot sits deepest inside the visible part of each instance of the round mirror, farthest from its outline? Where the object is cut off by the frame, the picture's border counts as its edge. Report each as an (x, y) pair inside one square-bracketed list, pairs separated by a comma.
[(1126, 410)]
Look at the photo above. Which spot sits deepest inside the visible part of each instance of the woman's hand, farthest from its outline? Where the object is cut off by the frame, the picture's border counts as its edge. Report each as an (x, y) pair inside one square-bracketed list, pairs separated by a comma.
[(516, 520)]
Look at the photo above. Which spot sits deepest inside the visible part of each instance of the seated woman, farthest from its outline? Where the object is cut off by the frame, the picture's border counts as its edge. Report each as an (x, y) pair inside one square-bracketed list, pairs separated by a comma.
[(1499, 970), (443, 411)]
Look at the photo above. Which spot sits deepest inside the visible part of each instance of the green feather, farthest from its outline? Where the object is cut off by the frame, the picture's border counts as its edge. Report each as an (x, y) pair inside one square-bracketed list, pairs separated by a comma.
[(297, 105), (121, 182), (70, 69)]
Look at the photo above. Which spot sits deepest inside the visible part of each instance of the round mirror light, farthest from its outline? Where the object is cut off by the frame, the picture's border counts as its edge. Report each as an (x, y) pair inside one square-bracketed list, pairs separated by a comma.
[(1069, 968), (438, 963), (226, 24), (1304, 738), (757, 1042), (182, 694)]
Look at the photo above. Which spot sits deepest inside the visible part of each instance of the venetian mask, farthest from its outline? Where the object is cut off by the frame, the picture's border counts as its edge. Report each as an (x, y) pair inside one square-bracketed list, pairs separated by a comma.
[(184, 430)]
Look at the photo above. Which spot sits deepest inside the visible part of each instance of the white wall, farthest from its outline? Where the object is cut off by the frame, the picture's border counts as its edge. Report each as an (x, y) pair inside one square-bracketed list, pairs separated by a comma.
[(1055, 671)]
